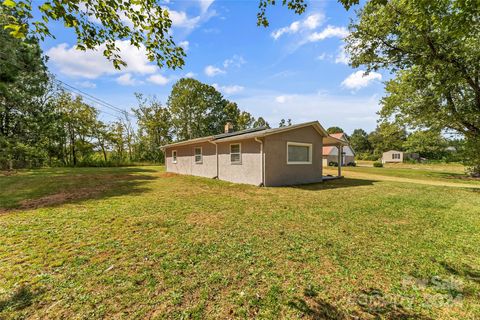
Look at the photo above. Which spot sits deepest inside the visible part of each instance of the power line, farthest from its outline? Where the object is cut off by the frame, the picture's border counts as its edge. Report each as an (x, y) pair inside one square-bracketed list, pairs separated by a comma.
[(93, 98)]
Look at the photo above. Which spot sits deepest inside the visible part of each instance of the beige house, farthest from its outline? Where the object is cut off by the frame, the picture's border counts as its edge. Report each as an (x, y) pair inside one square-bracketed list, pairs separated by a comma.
[(265, 157), (330, 153), (394, 156)]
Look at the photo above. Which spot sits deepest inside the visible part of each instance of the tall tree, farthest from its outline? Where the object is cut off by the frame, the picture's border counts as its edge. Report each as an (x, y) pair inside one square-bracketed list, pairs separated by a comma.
[(433, 48), (387, 136), (359, 141), (24, 110), (260, 122), (197, 109), (154, 128)]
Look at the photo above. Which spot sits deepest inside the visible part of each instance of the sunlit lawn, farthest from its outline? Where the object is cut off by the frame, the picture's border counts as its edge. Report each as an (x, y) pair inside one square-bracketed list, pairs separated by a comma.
[(141, 243)]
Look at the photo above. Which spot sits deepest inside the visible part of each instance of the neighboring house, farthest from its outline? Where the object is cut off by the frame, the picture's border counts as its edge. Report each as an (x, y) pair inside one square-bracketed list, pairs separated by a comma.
[(394, 156), (330, 154), (260, 156)]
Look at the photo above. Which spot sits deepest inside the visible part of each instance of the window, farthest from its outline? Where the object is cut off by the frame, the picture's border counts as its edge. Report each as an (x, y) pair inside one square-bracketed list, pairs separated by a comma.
[(395, 155), (198, 155), (235, 153), (174, 156), (299, 153)]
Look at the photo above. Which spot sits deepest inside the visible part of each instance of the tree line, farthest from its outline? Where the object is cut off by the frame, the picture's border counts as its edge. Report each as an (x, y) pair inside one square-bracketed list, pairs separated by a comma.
[(41, 123), (429, 144)]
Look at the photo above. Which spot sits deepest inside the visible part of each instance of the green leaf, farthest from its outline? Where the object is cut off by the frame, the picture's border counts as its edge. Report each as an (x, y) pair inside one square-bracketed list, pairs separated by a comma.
[(9, 3)]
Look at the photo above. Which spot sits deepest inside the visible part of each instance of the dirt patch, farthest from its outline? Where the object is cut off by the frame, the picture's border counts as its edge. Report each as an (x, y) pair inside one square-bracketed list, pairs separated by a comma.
[(169, 175), (55, 199)]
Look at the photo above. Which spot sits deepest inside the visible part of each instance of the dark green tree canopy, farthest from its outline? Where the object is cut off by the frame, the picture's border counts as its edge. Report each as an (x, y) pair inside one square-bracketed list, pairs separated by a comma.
[(335, 130)]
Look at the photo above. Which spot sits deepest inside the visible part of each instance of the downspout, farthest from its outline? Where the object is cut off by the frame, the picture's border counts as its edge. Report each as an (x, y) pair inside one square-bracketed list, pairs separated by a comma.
[(263, 162), (216, 155)]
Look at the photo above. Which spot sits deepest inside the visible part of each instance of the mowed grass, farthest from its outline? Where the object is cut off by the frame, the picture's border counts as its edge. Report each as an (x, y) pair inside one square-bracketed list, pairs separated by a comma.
[(142, 243)]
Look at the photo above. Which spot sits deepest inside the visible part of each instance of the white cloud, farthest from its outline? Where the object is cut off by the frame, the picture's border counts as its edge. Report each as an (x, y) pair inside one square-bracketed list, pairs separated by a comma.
[(309, 23), (126, 80), (342, 56), (91, 64), (235, 61), (284, 98), (180, 19), (322, 56), (232, 89), (158, 79), (86, 84), (205, 4), (190, 75), (185, 45), (328, 32), (212, 71), (346, 111), (359, 79)]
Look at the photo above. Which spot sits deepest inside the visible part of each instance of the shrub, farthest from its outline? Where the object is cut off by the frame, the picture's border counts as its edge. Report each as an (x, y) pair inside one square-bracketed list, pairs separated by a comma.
[(351, 164), (333, 164), (378, 164)]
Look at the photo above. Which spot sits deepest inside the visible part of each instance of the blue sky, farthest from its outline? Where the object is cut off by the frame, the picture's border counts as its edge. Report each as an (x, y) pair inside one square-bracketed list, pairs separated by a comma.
[(296, 68)]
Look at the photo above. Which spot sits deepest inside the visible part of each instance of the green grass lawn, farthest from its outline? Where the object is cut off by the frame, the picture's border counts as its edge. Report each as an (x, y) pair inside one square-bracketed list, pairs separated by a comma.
[(141, 243)]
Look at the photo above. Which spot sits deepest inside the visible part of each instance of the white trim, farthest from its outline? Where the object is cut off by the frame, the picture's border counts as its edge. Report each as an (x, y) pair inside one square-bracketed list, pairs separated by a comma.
[(195, 155), (174, 159), (239, 152), (301, 144)]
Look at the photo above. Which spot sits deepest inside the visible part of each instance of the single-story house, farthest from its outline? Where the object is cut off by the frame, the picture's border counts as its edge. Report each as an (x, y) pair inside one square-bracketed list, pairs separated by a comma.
[(330, 153), (394, 156), (261, 156)]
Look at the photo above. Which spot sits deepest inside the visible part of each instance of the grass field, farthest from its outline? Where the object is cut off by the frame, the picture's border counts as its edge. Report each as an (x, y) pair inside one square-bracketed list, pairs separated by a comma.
[(383, 243)]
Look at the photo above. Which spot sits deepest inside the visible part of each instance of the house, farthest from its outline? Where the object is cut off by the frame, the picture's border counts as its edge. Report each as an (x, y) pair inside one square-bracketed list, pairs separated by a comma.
[(261, 156), (330, 153), (394, 156)]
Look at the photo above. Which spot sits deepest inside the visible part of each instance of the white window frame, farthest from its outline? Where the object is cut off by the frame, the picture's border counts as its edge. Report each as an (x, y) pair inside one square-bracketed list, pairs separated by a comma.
[(239, 153), (195, 155), (301, 144), (174, 157)]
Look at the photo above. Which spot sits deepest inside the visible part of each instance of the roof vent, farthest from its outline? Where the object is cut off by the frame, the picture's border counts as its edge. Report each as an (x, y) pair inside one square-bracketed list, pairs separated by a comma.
[(228, 127)]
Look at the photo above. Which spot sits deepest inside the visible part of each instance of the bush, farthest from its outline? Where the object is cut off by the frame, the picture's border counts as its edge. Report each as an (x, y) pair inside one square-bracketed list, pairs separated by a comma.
[(333, 164), (351, 164), (378, 164)]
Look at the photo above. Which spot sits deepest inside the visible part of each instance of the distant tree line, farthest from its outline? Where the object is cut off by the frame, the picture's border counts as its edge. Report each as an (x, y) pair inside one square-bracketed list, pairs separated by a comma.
[(430, 144)]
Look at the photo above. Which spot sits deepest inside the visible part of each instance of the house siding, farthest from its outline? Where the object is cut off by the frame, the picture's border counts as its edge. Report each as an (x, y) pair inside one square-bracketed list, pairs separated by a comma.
[(278, 172), (186, 160), (250, 169)]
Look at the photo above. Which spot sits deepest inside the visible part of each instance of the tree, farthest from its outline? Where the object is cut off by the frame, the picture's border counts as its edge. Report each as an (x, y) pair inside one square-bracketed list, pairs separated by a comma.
[(24, 110), (284, 123), (260, 122), (429, 143), (100, 23), (359, 141), (197, 109), (433, 47), (387, 136), (334, 130), (154, 128)]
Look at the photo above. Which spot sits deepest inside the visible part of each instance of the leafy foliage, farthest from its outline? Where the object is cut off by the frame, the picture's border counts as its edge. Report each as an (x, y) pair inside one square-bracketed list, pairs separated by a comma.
[(433, 47), (334, 130)]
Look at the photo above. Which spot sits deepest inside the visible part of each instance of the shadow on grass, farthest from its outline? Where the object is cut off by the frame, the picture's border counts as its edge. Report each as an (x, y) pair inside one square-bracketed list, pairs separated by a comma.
[(381, 306), (318, 309), (336, 184), (73, 185), (20, 299), (462, 271)]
